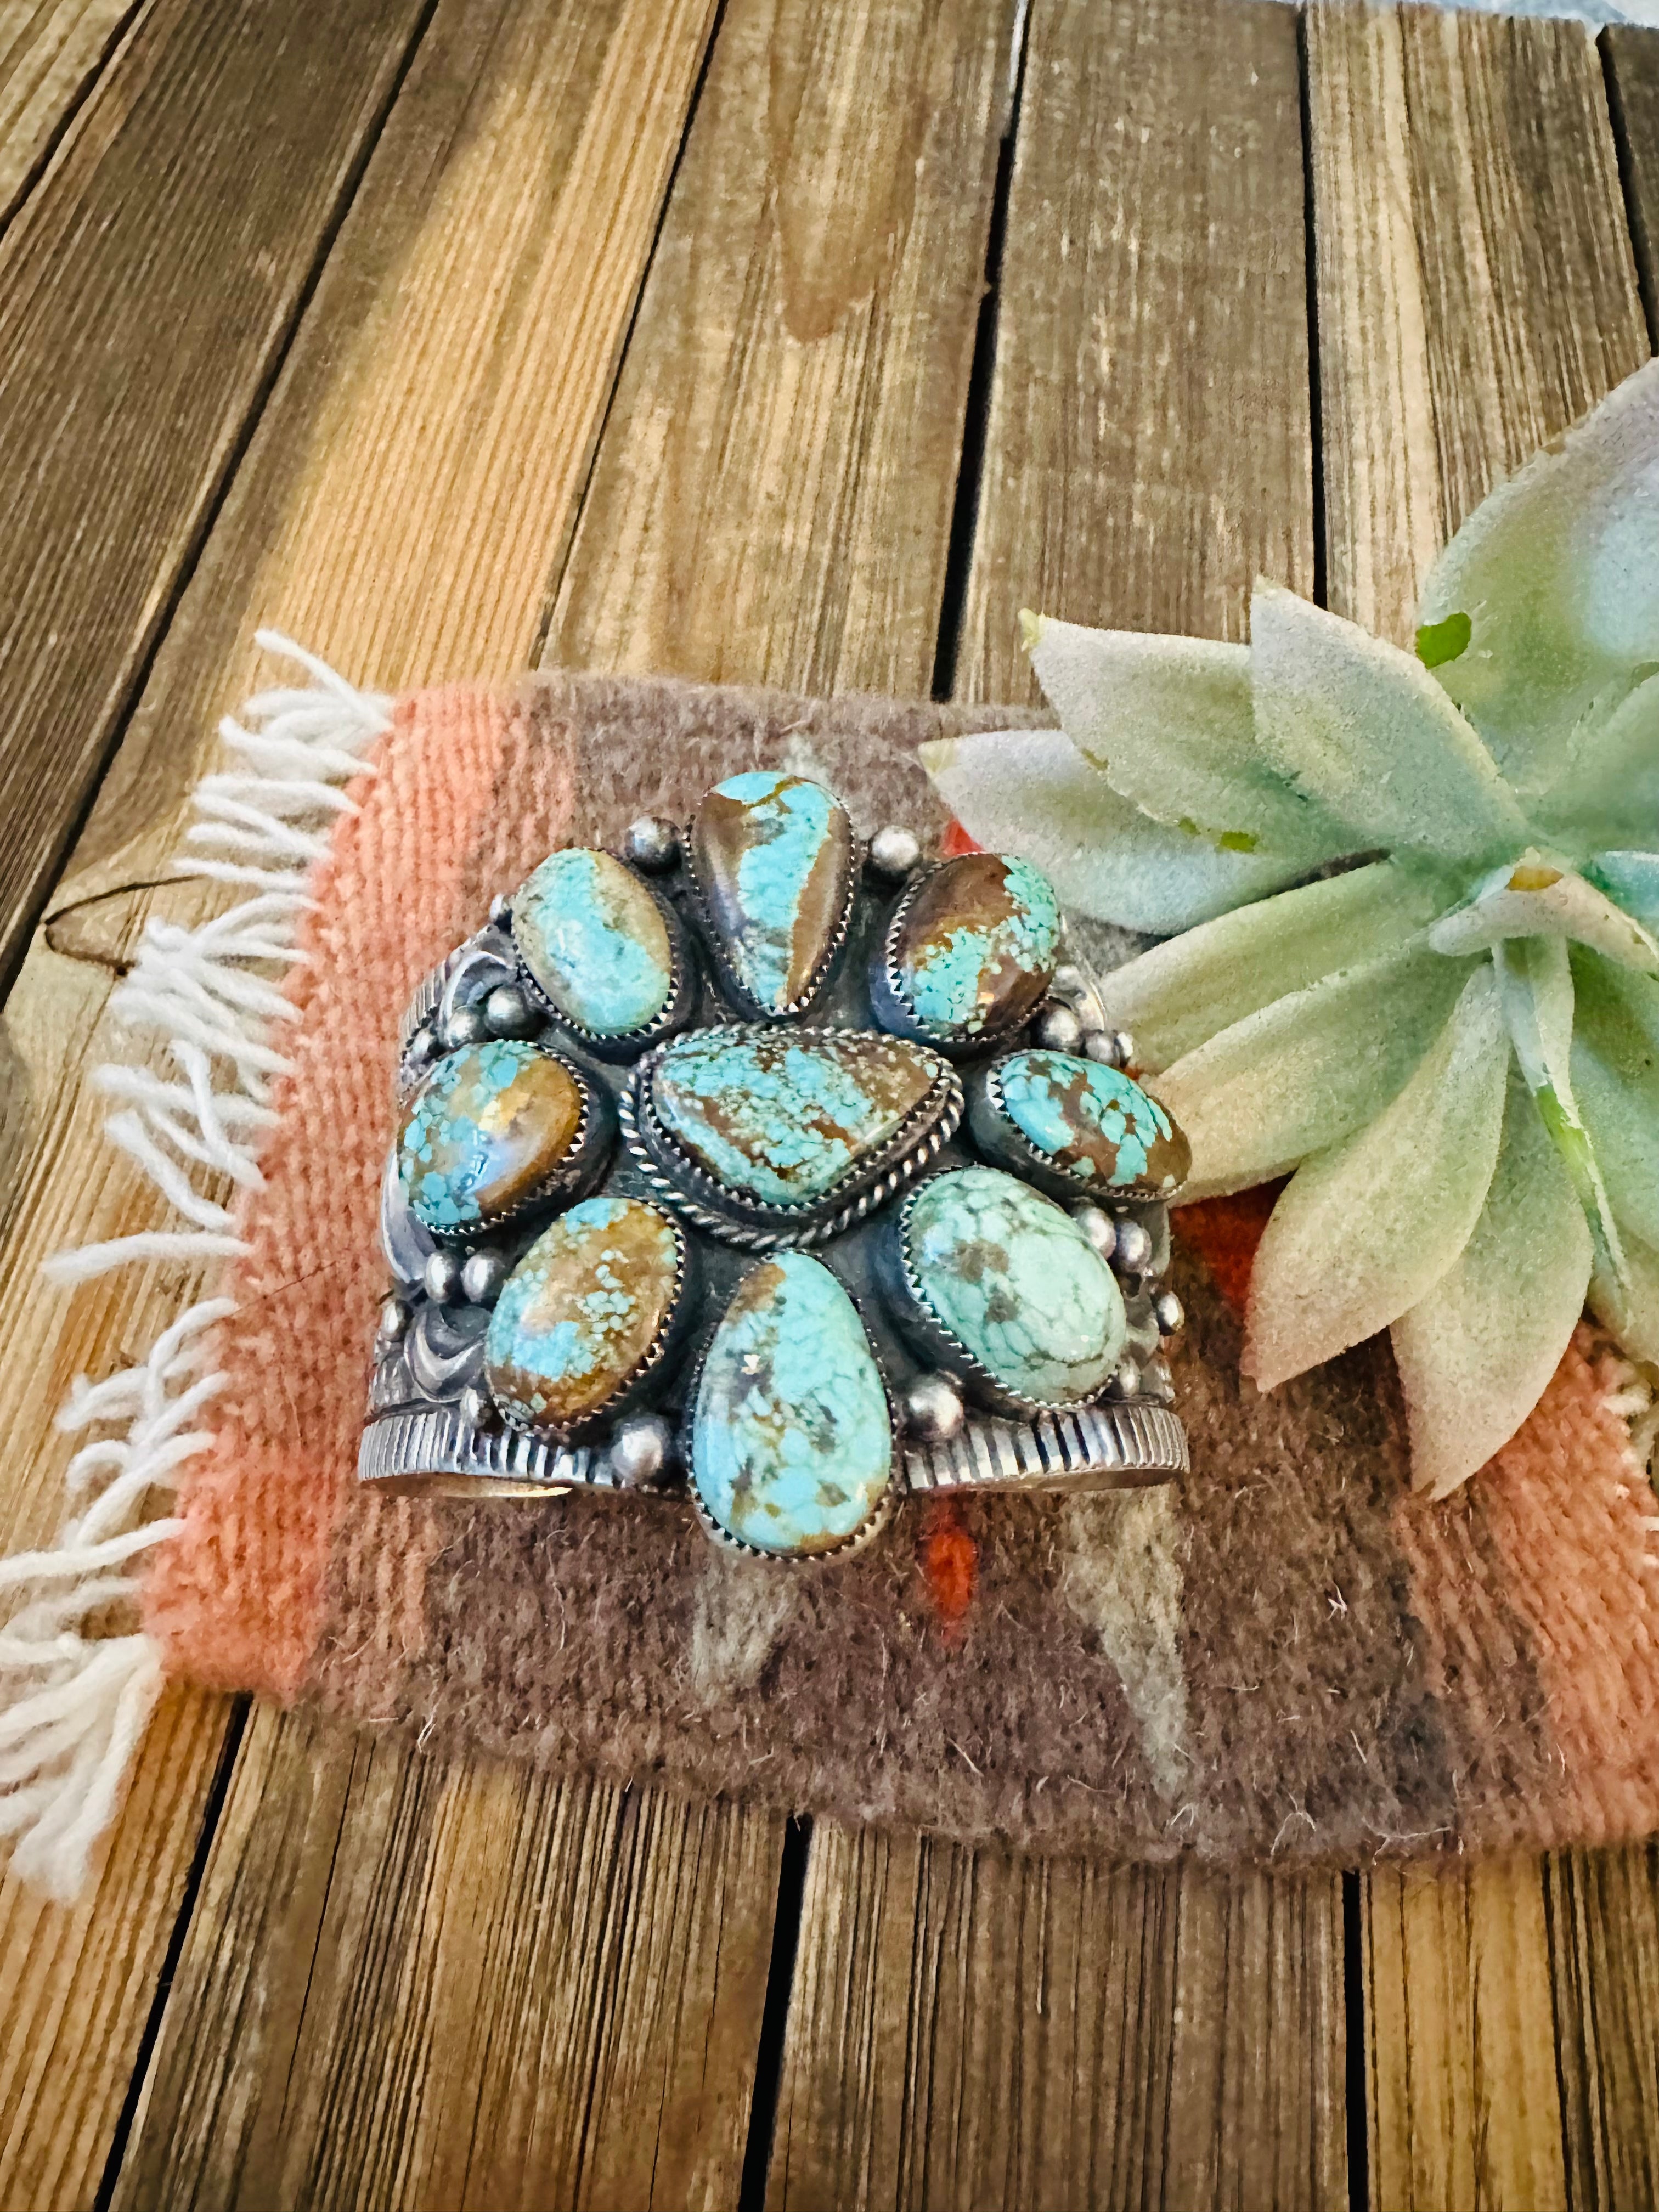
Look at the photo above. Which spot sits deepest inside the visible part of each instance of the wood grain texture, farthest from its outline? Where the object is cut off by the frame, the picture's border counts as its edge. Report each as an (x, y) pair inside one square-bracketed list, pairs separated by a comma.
[(1461, 2062), (772, 500), (967, 2029), (1476, 290), (146, 294), (50, 50), (76, 1986), (1147, 452), (1475, 293), (1632, 67), (1603, 1915), (469, 1989), (408, 420)]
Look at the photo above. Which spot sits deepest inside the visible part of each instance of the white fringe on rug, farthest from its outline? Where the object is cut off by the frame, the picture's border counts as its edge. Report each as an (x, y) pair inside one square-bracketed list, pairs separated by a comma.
[(74, 1704)]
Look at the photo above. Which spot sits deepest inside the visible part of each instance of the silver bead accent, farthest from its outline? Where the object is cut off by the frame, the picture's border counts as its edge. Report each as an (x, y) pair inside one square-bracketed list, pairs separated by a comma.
[(1134, 1248), (1105, 1046), (640, 1449), (1098, 1226), (501, 910), (509, 1013), (651, 843), (932, 1409), (478, 1407), (482, 1274), (1156, 1382), (1126, 1383), (1168, 1312), (393, 1321), (422, 1049), (1143, 1341), (1126, 1047), (1070, 982), (893, 853), (443, 1278), (466, 1025), (1058, 1028)]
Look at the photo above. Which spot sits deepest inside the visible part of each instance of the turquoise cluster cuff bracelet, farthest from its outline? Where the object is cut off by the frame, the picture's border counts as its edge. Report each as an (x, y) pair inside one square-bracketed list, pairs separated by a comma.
[(797, 1172)]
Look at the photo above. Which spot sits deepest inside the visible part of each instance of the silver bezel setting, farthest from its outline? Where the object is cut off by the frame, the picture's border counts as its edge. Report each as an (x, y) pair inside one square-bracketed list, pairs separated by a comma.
[(671, 1334), (751, 1224), (1002, 1140), (868, 1529), (940, 1345), (891, 1003), (675, 1011), (582, 1165), (714, 940)]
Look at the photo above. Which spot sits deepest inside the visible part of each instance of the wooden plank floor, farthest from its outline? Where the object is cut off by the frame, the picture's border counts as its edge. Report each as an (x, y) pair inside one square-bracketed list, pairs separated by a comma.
[(903, 317)]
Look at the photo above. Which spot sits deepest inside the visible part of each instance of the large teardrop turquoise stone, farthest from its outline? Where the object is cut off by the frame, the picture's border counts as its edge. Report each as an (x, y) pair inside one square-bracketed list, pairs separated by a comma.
[(1012, 1278), (977, 947), (773, 858), (594, 941), (1093, 1124), (583, 1312), (792, 1446), (783, 1118)]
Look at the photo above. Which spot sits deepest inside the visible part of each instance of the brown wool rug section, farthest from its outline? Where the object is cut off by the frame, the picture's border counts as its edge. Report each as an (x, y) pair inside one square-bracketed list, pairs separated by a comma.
[(1288, 1656)]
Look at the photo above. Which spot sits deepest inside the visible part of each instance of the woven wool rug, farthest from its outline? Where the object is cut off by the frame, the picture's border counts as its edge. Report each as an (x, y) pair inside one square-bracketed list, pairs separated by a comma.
[(1287, 1656)]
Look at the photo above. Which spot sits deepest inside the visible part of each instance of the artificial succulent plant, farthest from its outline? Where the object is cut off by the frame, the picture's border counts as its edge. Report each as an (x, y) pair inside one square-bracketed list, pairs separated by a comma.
[(1408, 903)]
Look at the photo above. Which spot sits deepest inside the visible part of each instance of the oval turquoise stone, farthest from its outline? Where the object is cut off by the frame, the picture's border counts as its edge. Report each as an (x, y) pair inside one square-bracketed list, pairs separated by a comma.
[(594, 939), (580, 1314), (1092, 1123), (1012, 1277), (792, 1442), (977, 946), (483, 1133), (783, 1118), (773, 858)]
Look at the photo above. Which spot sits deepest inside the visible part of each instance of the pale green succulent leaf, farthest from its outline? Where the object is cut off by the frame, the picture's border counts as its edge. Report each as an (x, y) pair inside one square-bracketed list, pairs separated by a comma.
[(1607, 784), (1628, 1304), (1630, 880), (1615, 1080), (1168, 722), (1536, 896), (1032, 792), (1534, 977), (1300, 1075), (1366, 731), (1180, 993), (1477, 1351), (1556, 570), (1365, 1230)]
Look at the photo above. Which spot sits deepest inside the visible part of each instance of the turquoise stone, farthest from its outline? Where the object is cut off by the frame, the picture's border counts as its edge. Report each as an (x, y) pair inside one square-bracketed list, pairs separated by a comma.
[(783, 1118), (792, 1444), (773, 858), (1011, 1276), (1092, 1123), (977, 946), (594, 939), (484, 1132), (580, 1316)]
